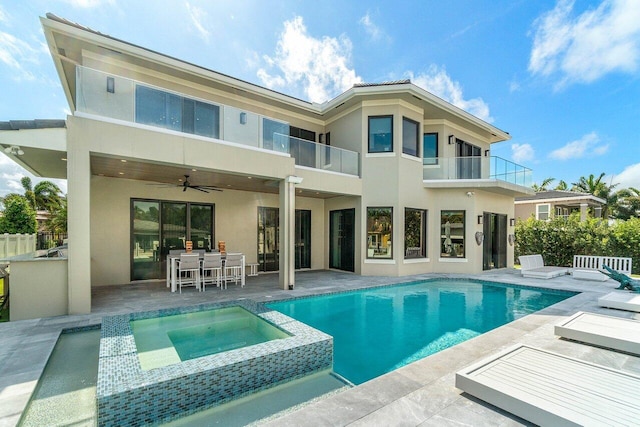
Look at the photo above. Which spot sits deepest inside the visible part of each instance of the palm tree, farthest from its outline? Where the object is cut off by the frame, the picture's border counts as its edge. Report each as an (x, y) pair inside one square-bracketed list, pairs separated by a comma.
[(543, 186), (562, 186), (598, 188), (44, 196), (628, 205), (28, 191)]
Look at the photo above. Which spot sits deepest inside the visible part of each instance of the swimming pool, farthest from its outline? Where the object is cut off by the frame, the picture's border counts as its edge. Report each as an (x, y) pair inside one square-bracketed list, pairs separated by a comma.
[(378, 330)]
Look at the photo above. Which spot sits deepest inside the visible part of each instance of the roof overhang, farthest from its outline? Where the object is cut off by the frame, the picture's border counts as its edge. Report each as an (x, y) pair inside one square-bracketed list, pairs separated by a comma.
[(576, 200), (40, 150)]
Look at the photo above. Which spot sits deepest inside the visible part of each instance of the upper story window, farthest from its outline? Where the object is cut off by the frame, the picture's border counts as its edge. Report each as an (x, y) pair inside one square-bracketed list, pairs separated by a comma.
[(410, 141), (381, 134), (164, 109), (430, 149)]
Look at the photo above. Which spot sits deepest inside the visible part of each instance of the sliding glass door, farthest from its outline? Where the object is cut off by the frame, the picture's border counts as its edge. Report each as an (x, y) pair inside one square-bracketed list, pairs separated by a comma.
[(160, 226), (342, 239), (269, 234)]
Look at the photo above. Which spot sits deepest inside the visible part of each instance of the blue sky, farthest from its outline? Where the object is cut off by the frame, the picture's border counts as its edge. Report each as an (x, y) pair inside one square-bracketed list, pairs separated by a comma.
[(562, 77)]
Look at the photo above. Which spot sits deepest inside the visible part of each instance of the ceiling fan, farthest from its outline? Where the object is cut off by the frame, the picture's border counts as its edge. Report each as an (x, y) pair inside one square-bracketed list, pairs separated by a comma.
[(187, 184)]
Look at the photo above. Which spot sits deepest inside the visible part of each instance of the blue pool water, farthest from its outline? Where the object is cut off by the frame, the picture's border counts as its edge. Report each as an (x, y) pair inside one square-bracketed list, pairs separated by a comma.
[(378, 330)]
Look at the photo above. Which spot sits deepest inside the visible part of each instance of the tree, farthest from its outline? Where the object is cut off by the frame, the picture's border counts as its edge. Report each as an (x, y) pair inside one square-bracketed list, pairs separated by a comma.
[(57, 222), (28, 191), (562, 186), (18, 216), (600, 189), (544, 186), (47, 196), (628, 204)]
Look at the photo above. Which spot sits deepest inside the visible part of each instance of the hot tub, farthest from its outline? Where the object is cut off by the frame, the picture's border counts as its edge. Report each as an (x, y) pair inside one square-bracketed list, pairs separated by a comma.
[(144, 379)]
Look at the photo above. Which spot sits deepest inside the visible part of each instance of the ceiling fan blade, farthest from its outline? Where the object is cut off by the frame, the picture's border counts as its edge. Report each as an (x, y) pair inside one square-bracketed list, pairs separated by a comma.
[(184, 187), (199, 189)]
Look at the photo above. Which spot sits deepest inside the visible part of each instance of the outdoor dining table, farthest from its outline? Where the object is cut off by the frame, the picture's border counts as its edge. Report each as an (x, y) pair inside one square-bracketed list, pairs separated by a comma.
[(172, 269)]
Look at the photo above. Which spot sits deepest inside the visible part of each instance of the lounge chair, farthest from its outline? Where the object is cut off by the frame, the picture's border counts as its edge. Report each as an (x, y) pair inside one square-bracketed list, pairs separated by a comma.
[(533, 266), (549, 389), (621, 300), (604, 331)]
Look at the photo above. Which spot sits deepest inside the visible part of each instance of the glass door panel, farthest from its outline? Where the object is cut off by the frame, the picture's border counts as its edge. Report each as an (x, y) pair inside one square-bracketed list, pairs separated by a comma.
[(145, 240), (303, 239), (268, 235), (174, 228), (201, 226), (342, 239)]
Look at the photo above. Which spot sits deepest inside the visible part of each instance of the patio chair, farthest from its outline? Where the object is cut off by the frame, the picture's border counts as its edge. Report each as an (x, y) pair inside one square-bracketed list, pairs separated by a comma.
[(188, 269), (212, 270), (233, 268)]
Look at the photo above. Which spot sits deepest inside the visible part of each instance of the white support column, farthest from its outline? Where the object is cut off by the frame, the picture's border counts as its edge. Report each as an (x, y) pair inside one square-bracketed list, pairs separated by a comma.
[(286, 244), (583, 211), (79, 224)]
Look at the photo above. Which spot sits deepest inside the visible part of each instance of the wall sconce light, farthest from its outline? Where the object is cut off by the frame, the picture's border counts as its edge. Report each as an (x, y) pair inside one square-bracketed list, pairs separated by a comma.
[(243, 118), (111, 85), (512, 222), (452, 139), (470, 193), (486, 153), (480, 219)]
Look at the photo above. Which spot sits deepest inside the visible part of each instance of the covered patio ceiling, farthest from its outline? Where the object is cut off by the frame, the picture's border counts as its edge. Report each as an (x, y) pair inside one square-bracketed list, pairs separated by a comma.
[(174, 174)]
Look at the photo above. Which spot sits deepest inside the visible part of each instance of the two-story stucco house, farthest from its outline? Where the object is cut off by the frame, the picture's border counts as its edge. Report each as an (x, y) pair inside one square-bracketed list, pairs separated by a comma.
[(384, 179)]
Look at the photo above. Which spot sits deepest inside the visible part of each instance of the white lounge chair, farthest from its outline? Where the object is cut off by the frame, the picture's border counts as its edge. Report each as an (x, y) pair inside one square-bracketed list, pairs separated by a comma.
[(604, 331), (533, 266), (549, 389), (621, 300)]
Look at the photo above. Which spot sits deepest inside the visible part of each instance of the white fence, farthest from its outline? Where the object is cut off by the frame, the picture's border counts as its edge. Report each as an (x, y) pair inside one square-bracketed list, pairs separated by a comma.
[(16, 244)]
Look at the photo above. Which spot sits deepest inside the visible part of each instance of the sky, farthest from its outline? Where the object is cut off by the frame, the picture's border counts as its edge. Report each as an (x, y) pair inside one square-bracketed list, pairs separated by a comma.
[(561, 76)]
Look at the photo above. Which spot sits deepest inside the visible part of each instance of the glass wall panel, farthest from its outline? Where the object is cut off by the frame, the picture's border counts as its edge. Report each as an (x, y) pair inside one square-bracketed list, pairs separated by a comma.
[(379, 232), (303, 239), (415, 233), (275, 135), (381, 134), (201, 226), (452, 234), (430, 149), (207, 120), (410, 137), (174, 226), (145, 240)]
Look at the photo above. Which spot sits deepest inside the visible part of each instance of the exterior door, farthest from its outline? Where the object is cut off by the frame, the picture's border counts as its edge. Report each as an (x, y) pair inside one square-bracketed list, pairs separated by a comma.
[(268, 234), (342, 239), (494, 247), (468, 160)]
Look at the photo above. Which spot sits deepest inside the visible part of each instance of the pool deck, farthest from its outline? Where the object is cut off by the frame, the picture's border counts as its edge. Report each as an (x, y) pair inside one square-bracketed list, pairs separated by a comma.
[(419, 394)]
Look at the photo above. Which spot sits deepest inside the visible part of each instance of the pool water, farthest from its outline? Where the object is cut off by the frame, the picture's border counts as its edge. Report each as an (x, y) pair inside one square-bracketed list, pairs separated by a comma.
[(379, 330), (163, 341)]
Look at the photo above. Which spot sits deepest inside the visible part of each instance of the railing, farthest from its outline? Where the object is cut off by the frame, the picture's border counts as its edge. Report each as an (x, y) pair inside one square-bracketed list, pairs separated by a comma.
[(320, 156), (456, 168), (48, 240), (120, 98)]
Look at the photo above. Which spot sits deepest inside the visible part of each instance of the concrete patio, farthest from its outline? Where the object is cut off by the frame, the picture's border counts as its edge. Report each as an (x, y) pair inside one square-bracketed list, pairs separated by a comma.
[(421, 393)]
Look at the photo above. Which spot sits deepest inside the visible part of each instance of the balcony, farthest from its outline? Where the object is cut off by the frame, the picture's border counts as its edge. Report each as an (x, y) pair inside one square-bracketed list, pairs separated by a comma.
[(122, 99)]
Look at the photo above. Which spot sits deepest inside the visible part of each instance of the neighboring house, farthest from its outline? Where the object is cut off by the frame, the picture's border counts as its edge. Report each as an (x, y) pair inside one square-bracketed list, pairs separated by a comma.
[(549, 204), (384, 179)]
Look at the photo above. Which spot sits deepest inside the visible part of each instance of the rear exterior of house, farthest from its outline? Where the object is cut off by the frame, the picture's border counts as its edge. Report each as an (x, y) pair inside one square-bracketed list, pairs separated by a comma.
[(385, 179)]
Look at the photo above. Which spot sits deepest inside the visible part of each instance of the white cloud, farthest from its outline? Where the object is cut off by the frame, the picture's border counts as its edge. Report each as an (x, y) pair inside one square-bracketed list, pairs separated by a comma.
[(522, 153), (15, 54), (437, 81), (629, 177), (589, 145), (87, 4), (198, 17), (583, 49), (373, 30), (3, 15), (11, 173), (317, 68)]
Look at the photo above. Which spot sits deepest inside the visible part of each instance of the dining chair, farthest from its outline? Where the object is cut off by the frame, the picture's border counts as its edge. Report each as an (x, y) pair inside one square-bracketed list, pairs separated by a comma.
[(212, 270), (233, 268), (188, 268)]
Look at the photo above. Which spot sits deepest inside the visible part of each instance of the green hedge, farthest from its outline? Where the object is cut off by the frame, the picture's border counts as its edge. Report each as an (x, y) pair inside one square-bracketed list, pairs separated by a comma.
[(560, 239)]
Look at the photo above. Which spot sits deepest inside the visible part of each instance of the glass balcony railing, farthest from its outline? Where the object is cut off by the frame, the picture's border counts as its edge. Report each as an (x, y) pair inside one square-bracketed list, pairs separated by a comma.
[(457, 168), (120, 98)]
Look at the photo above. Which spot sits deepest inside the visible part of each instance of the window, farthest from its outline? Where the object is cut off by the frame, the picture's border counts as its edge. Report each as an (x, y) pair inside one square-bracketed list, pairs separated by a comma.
[(542, 211), (381, 134), (469, 163), (430, 149), (452, 234), (163, 109), (410, 142), (415, 233), (379, 236)]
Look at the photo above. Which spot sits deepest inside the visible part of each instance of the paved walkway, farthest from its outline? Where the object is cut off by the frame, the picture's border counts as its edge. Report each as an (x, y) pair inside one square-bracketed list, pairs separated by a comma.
[(421, 393)]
